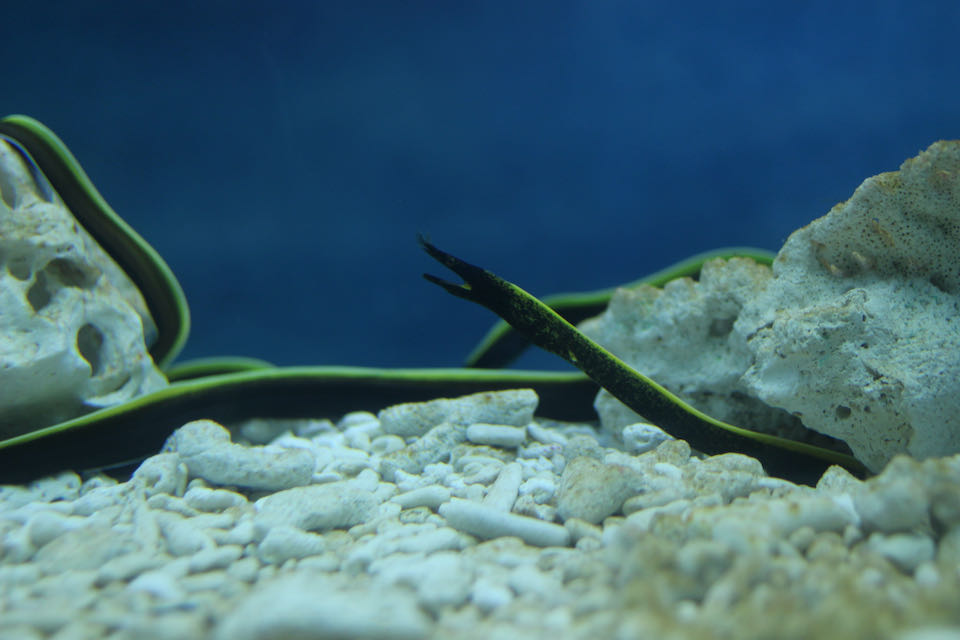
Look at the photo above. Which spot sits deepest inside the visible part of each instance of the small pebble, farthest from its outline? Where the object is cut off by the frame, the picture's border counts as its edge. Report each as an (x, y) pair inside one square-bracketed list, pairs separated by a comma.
[(906, 551), (386, 444), (159, 584), (496, 435), (215, 558), (490, 596), (337, 505), (205, 448), (486, 522), (641, 437), (431, 496), (213, 499), (283, 543), (44, 526), (182, 537), (545, 435), (503, 492), (591, 490), (322, 606)]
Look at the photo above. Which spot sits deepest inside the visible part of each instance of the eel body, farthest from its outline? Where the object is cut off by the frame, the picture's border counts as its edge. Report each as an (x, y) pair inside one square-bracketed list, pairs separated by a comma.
[(547, 329), (233, 389)]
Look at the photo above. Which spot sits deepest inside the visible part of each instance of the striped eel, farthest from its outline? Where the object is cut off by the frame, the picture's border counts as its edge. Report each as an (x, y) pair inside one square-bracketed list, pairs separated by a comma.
[(232, 389)]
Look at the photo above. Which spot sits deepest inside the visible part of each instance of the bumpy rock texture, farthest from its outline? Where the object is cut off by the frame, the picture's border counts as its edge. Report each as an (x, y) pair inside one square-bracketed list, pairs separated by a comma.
[(857, 333), (73, 328), (682, 336), (564, 535), (859, 330)]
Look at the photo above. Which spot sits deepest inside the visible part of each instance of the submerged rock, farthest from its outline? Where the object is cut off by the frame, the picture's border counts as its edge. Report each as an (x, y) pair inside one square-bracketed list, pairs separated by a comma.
[(682, 336), (856, 334), (74, 329)]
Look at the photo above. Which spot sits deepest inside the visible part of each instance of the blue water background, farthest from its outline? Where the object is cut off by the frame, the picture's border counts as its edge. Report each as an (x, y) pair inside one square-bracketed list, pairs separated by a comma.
[(283, 155)]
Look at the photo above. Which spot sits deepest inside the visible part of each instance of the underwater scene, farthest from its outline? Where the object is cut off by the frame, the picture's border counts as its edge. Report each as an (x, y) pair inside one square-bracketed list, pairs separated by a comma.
[(480, 320)]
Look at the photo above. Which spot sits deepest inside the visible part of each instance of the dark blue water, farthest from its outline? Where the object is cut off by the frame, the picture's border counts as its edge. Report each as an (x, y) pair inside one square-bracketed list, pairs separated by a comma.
[(283, 156)]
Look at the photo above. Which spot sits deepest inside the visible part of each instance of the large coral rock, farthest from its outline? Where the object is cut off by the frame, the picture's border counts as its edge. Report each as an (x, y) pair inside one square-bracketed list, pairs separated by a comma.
[(73, 328), (858, 333), (682, 336)]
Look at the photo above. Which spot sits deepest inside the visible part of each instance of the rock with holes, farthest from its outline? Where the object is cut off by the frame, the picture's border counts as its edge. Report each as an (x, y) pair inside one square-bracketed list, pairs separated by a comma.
[(858, 332), (682, 336), (73, 328)]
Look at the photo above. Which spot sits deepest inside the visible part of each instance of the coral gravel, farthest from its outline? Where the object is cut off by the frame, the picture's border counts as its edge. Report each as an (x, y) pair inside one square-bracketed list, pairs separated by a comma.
[(569, 533)]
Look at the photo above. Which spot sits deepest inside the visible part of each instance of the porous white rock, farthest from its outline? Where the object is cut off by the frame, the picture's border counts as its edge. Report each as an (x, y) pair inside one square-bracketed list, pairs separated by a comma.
[(74, 331), (682, 336), (854, 335), (857, 333)]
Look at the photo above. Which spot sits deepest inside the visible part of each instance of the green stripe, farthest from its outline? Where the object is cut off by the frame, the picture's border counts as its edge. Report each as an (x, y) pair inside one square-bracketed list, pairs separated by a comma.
[(202, 367), (139, 428), (148, 271), (231, 389), (547, 329), (503, 344), (224, 389)]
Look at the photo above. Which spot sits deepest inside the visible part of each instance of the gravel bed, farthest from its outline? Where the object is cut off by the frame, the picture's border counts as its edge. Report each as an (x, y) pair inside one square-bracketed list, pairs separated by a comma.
[(471, 518)]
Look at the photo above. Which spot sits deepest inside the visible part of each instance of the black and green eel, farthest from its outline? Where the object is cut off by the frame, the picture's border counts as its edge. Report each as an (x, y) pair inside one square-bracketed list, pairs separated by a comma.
[(232, 389)]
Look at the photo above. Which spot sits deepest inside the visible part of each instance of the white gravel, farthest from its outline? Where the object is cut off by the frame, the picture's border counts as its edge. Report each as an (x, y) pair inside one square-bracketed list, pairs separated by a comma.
[(469, 518)]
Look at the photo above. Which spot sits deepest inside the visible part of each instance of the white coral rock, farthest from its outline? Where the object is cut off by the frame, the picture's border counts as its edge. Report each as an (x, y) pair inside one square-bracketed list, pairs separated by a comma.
[(73, 328), (858, 333)]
